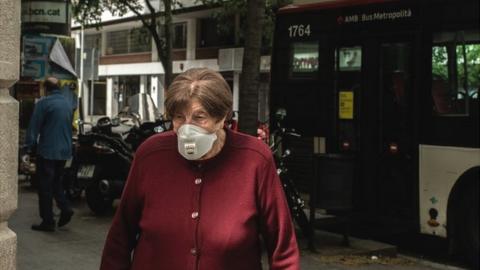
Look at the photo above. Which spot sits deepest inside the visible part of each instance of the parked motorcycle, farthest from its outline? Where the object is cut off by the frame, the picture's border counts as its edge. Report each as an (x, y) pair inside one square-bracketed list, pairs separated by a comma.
[(102, 162), (27, 166), (103, 157), (138, 134)]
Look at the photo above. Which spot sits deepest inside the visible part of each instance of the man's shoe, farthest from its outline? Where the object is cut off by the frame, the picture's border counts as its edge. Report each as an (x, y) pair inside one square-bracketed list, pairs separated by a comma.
[(65, 218), (44, 227)]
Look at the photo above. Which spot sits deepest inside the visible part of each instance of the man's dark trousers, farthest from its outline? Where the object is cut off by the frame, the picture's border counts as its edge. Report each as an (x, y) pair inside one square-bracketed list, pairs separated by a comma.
[(49, 177)]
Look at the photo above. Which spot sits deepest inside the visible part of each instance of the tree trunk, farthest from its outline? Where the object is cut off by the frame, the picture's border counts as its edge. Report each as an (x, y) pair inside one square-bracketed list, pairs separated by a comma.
[(167, 61), (164, 44), (250, 77)]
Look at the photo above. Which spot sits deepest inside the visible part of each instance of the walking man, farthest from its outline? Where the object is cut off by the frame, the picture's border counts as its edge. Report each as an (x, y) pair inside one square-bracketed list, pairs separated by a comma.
[(50, 130)]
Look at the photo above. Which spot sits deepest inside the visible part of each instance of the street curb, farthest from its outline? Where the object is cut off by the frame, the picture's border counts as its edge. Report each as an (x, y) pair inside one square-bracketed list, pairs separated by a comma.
[(326, 241), (431, 264)]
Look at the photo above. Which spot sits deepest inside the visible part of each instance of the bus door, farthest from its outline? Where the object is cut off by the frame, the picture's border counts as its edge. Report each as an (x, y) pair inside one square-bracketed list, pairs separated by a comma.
[(374, 121), (395, 127)]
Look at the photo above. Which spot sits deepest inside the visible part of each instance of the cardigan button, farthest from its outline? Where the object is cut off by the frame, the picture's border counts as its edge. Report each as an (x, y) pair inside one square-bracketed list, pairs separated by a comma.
[(193, 251), (198, 181), (195, 215)]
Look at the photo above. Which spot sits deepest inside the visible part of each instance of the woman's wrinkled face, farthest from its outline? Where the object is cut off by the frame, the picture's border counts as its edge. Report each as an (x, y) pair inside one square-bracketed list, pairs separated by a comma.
[(196, 115)]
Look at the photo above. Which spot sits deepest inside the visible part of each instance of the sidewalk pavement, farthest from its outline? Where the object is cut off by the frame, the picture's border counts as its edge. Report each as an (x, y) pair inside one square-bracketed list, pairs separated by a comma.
[(78, 246)]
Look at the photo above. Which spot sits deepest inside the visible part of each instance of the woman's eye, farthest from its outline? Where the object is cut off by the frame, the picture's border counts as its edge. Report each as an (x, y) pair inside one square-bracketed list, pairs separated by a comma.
[(199, 117), (178, 117)]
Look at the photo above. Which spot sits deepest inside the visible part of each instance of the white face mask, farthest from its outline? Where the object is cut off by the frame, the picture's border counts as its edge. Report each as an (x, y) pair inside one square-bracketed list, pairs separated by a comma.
[(194, 142)]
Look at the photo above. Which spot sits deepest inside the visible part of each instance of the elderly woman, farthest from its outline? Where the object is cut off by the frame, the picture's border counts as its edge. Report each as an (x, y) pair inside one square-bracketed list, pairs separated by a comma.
[(201, 196)]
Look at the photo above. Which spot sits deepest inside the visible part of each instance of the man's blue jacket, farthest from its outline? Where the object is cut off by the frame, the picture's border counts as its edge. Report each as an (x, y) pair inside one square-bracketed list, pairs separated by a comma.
[(51, 127)]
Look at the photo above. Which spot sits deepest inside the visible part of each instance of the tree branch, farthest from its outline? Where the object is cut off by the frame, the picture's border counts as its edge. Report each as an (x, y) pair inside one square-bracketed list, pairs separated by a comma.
[(139, 15), (150, 7), (153, 18)]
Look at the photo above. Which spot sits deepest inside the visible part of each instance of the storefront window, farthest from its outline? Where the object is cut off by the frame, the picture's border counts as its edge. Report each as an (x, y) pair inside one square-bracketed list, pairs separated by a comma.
[(304, 59), (98, 97), (140, 40), (179, 37), (93, 41), (117, 42), (128, 86), (134, 40)]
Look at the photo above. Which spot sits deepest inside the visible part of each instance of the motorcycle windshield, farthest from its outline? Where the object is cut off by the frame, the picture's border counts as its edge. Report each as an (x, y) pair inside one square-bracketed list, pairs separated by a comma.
[(143, 106)]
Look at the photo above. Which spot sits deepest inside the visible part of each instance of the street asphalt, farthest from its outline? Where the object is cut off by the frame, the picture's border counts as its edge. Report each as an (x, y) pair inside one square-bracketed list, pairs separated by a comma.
[(78, 245)]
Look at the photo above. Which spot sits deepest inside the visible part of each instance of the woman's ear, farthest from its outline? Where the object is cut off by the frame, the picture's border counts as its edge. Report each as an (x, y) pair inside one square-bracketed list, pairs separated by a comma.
[(220, 123)]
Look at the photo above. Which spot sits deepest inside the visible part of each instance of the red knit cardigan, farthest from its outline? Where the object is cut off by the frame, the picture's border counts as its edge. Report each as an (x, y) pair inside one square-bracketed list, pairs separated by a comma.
[(216, 214)]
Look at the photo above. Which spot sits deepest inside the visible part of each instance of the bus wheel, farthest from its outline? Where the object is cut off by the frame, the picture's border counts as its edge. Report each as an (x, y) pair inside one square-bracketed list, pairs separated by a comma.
[(470, 226)]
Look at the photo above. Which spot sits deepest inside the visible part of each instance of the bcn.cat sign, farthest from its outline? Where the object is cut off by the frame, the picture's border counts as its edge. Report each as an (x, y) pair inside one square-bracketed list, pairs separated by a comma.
[(46, 12)]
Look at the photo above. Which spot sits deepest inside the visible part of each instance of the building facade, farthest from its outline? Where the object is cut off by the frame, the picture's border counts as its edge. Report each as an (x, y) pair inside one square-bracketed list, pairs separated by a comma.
[(120, 58)]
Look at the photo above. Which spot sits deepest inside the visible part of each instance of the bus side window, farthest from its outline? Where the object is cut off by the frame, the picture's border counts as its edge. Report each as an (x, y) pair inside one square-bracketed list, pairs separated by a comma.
[(441, 99), (455, 69)]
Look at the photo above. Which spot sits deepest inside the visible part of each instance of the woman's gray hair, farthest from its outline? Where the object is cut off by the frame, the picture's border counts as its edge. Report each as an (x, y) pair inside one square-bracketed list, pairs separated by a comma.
[(203, 84)]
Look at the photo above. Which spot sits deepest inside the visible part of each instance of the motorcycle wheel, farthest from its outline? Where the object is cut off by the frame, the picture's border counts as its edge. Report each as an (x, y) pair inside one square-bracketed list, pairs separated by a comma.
[(98, 202)]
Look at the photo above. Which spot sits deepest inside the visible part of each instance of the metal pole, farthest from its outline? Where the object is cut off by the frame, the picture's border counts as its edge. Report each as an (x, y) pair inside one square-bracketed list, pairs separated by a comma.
[(81, 95), (92, 91)]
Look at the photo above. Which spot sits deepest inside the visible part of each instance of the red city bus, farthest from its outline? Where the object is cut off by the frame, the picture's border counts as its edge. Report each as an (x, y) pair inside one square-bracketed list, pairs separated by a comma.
[(395, 85)]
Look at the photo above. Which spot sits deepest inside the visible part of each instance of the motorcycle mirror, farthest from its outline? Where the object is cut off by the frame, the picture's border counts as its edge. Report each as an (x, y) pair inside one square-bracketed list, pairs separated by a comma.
[(158, 129), (115, 122), (281, 113), (280, 116)]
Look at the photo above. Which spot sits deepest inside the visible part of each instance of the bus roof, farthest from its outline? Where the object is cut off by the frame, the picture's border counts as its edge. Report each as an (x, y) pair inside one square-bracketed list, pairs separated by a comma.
[(328, 4)]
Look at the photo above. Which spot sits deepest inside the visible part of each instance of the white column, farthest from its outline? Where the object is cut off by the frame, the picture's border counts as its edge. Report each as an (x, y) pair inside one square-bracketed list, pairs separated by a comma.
[(114, 91), (109, 101), (154, 52), (85, 94), (154, 89), (103, 43), (143, 84), (9, 73), (191, 38), (236, 89), (161, 94), (81, 79)]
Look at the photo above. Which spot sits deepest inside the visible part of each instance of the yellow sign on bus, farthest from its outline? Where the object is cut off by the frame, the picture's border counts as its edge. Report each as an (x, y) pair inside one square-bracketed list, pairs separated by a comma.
[(345, 105)]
